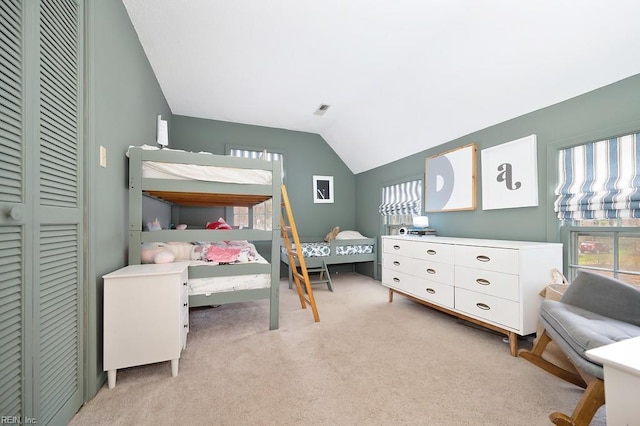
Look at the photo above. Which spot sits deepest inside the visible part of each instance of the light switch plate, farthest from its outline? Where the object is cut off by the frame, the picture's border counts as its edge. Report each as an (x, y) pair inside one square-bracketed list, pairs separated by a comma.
[(103, 156)]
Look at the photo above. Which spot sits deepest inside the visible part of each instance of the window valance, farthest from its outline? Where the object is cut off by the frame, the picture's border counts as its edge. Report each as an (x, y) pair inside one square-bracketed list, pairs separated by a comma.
[(600, 180)]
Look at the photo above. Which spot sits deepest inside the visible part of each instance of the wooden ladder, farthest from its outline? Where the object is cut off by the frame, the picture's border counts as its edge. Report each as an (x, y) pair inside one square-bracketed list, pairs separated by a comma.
[(323, 275), (297, 264)]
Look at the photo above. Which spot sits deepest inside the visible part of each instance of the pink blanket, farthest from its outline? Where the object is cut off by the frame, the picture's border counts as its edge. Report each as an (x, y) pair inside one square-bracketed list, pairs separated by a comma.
[(223, 254)]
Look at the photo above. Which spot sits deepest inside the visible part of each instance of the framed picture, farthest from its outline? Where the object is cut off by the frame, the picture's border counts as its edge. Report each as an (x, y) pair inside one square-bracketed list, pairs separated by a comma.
[(510, 174), (450, 180), (323, 189)]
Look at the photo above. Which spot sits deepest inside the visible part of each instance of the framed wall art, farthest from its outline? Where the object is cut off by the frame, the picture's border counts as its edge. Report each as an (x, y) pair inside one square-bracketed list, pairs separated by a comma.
[(450, 180), (323, 189), (510, 174)]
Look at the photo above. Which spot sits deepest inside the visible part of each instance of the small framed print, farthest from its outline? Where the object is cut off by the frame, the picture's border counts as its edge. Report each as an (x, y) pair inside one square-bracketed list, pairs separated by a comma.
[(323, 189)]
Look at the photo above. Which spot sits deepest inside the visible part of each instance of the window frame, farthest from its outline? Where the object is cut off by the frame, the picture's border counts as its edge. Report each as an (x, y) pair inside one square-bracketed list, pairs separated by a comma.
[(565, 231), (387, 228), (268, 218), (569, 234)]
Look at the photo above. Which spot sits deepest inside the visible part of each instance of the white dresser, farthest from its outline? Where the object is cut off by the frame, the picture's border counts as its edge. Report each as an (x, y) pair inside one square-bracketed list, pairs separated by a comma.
[(493, 283), (146, 316)]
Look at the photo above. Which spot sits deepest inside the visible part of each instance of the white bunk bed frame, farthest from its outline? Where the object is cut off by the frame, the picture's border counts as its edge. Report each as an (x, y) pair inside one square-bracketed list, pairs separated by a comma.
[(209, 194)]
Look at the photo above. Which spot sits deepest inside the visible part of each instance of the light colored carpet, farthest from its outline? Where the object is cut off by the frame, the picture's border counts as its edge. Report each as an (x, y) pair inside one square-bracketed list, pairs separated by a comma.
[(367, 362)]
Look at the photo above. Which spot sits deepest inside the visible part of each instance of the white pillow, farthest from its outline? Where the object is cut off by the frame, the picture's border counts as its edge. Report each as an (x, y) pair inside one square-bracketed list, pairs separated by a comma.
[(349, 235)]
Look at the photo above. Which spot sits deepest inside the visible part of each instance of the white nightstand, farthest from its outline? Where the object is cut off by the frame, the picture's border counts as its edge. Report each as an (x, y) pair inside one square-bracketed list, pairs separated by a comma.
[(146, 316), (621, 362)]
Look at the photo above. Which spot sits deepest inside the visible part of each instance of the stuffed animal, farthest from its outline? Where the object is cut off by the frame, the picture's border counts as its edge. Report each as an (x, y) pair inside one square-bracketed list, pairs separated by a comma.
[(220, 224), (168, 252), (154, 225), (156, 253), (332, 234)]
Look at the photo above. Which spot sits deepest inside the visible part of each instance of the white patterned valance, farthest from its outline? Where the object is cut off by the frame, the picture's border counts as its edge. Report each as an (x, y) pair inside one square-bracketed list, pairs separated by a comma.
[(402, 198), (600, 180)]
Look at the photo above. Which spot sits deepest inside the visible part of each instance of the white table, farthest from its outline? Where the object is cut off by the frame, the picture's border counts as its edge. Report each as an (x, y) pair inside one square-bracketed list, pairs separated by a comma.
[(621, 362)]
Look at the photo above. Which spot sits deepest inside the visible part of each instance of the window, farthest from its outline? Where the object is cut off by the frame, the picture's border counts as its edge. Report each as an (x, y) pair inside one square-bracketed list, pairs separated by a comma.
[(259, 216), (598, 201), (399, 203)]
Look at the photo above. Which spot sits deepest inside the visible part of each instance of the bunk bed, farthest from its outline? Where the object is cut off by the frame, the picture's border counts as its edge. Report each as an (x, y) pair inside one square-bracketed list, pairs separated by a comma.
[(316, 251), (207, 180)]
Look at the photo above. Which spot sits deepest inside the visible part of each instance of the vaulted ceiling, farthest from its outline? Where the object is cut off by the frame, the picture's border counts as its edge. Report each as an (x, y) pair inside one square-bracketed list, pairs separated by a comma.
[(399, 76)]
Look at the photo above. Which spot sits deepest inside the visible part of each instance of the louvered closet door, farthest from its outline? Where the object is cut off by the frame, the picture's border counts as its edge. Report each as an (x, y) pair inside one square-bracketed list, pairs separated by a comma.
[(41, 226), (15, 209)]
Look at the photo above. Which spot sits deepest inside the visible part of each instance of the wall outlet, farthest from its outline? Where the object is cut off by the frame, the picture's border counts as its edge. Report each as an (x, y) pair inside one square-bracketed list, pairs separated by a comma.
[(103, 156)]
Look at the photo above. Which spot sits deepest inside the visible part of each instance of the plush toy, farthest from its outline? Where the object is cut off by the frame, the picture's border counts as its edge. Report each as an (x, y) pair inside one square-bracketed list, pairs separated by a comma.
[(332, 234), (220, 224), (156, 253), (154, 225)]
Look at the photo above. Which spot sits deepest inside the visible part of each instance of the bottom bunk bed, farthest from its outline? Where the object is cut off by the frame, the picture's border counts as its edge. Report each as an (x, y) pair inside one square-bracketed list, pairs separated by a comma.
[(352, 247), (216, 279)]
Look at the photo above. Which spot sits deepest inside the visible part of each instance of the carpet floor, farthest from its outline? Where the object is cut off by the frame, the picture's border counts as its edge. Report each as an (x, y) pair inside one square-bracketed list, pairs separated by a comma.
[(367, 362)]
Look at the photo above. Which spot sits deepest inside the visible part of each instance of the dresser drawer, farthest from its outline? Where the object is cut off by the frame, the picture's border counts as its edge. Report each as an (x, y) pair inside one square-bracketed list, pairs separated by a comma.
[(421, 288), (490, 308), (493, 283), (435, 271), (489, 258), (419, 249)]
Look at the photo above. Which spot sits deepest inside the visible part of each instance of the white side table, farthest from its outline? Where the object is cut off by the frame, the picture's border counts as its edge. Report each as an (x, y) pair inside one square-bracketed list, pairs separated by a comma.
[(146, 316), (621, 362)]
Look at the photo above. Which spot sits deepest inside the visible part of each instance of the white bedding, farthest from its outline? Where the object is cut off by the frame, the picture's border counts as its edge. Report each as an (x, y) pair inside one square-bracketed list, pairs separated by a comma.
[(176, 171), (211, 285)]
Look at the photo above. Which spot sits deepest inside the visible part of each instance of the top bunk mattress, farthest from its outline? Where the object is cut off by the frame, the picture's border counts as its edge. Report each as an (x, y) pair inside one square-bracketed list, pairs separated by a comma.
[(180, 171)]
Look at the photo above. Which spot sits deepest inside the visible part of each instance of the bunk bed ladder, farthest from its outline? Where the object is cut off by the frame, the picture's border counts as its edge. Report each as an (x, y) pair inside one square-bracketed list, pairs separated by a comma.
[(299, 267), (323, 275)]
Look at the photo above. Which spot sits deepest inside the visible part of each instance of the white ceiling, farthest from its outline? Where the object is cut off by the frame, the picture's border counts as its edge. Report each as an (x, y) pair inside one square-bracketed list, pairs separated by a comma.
[(400, 76)]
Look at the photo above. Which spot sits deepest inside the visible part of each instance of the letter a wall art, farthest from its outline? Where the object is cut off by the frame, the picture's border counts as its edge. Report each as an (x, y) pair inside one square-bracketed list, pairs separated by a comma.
[(510, 174)]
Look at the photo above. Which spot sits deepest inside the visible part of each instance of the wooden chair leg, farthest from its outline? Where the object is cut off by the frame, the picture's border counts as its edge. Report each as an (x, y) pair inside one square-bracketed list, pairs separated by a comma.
[(534, 356), (592, 399)]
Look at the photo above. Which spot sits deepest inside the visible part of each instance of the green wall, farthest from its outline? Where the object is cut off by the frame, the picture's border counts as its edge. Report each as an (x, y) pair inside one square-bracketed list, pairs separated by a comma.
[(608, 111), (306, 154), (123, 99)]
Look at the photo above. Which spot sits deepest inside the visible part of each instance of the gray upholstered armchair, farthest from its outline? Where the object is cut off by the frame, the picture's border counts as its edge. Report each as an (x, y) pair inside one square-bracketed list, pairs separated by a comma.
[(594, 311)]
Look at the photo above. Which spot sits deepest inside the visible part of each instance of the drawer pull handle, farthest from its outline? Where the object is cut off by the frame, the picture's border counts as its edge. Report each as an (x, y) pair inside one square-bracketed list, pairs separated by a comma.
[(186, 325), (184, 283), (431, 271), (483, 306), (431, 252), (396, 280), (482, 281), (430, 291), (483, 258), (396, 247), (396, 263), (184, 304)]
